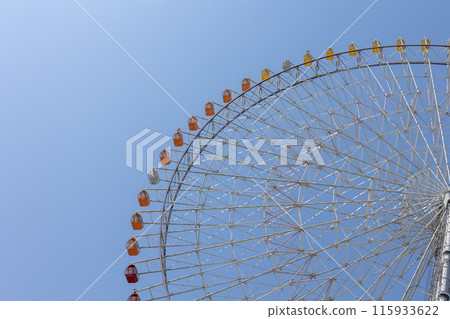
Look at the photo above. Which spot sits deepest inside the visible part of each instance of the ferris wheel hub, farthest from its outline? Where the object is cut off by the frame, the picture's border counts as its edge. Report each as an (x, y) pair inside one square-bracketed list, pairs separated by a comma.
[(446, 199)]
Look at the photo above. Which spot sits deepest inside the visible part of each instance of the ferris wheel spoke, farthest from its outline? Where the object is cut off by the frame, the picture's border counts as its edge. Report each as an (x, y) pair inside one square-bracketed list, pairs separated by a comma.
[(350, 138), (413, 115), (430, 86), (421, 267), (414, 284), (438, 116), (415, 152), (364, 258), (405, 250), (325, 250), (390, 90)]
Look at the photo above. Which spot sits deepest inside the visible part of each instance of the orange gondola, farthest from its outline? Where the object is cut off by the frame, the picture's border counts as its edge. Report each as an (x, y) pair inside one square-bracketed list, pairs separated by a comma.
[(193, 123), (245, 84), (132, 247), (178, 138), (136, 221), (164, 157), (209, 109), (226, 95), (143, 198)]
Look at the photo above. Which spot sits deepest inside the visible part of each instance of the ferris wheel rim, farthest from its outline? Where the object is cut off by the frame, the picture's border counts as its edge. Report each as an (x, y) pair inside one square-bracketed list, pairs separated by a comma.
[(168, 211)]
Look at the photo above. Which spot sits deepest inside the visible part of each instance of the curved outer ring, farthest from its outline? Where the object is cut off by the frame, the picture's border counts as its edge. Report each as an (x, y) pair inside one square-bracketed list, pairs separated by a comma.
[(163, 234)]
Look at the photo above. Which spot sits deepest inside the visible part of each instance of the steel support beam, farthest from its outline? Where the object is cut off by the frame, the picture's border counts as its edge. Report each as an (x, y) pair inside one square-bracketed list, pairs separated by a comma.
[(443, 293)]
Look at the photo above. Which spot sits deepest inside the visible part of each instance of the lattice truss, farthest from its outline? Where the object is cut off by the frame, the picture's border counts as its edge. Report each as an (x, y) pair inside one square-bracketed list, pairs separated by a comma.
[(366, 224)]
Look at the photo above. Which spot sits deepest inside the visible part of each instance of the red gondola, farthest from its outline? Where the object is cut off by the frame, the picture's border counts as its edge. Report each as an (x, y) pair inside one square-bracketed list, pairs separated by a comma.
[(131, 274), (134, 296)]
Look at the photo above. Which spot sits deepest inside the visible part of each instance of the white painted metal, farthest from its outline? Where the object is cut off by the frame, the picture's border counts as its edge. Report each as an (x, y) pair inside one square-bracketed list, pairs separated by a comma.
[(444, 293), (366, 225)]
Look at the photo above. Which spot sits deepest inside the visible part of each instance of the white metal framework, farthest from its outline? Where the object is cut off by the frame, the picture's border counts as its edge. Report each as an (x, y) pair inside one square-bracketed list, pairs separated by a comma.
[(369, 223)]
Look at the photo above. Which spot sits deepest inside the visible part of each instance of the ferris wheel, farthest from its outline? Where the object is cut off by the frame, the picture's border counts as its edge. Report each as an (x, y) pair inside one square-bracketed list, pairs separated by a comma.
[(328, 180)]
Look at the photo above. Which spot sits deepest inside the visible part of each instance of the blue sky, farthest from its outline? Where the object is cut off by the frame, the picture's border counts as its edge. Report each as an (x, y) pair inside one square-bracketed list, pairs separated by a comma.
[(70, 98)]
